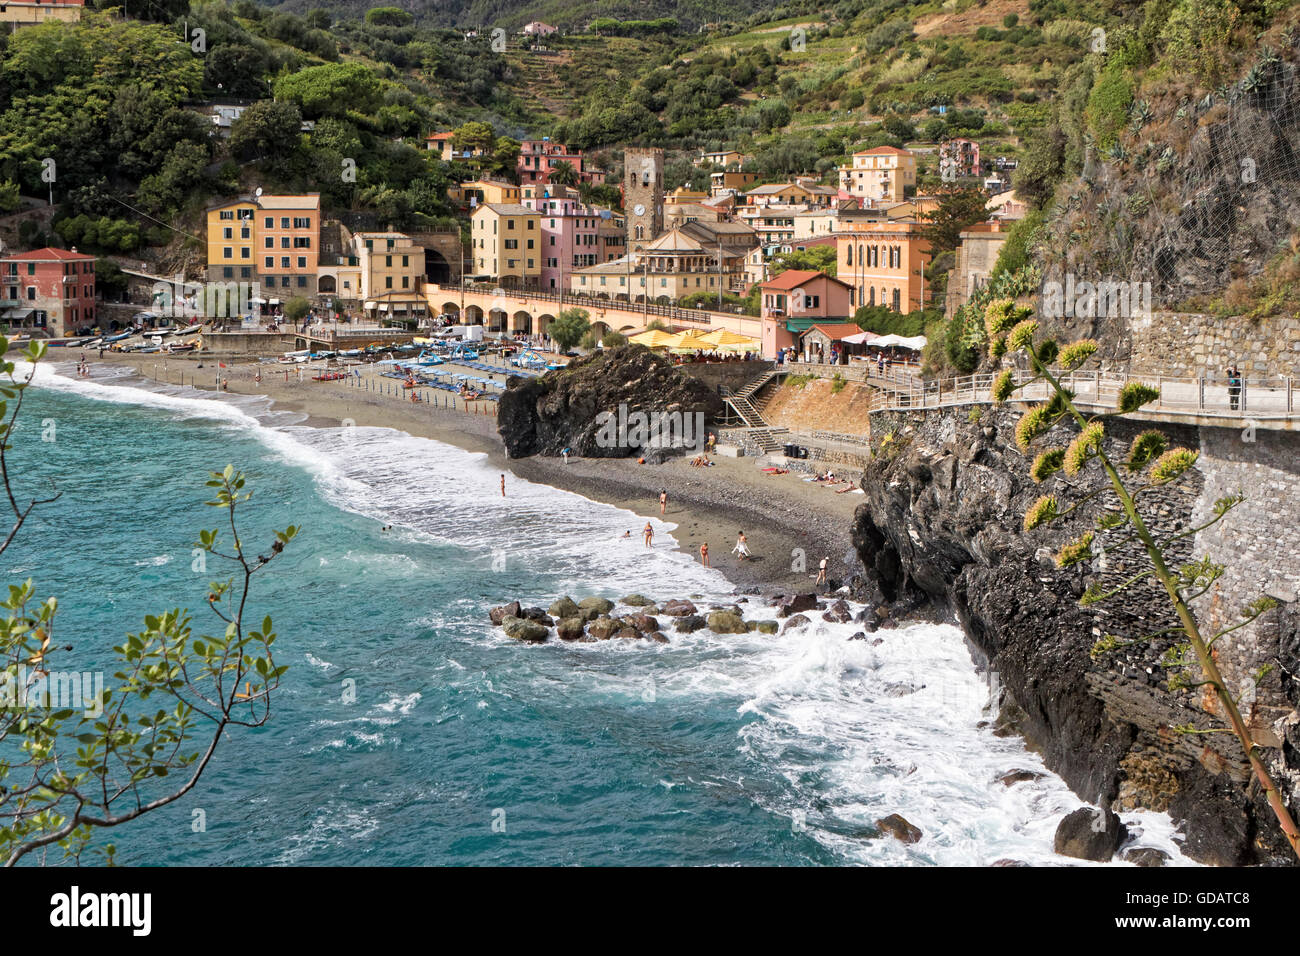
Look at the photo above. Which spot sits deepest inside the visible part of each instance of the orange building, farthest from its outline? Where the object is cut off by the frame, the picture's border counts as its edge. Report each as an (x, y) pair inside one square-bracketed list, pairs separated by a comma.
[(883, 263)]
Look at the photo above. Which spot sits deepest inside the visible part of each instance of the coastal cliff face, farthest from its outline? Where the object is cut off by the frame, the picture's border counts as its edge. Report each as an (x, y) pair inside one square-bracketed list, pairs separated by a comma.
[(611, 404), (943, 520)]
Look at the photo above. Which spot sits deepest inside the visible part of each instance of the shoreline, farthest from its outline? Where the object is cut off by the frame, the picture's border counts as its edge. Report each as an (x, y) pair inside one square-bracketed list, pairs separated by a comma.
[(790, 524)]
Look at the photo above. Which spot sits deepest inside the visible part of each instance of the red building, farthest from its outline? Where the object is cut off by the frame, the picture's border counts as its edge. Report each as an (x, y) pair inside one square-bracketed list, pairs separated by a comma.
[(49, 289), (537, 157)]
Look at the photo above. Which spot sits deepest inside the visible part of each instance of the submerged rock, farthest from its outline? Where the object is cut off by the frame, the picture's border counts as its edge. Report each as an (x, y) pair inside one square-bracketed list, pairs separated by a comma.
[(796, 622), (522, 629), (690, 624), (659, 637), (1146, 856), (636, 600), (570, 629), (603, 628), (727, 622), (498, 614), (1012, 777), (1090, 833), (600, 604), (676, 608), (563, 607), (899, 828), (797, 603), (838, 613)]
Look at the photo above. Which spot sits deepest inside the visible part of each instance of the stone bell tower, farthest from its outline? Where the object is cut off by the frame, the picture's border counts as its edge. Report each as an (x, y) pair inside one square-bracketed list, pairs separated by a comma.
[(643, 194)]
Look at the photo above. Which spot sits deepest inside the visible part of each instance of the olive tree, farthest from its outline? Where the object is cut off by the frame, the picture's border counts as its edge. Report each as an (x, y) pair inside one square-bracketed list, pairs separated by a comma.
[(145, 736)]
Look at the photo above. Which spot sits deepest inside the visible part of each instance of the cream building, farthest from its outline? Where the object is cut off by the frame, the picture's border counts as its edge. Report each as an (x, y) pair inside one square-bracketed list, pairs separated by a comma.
[(505, 244)]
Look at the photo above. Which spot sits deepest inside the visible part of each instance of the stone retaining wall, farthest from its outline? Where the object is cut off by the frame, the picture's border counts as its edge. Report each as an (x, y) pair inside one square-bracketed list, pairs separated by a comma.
[(1195, 345)]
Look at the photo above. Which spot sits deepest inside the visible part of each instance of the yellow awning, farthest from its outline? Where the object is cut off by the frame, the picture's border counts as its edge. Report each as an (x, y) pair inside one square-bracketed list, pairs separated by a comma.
[(653, 338), (727, 341), (689, 341)]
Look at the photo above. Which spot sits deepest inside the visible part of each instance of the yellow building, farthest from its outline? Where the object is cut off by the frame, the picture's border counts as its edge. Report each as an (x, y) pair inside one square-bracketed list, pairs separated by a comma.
[(883, 174), (271, 240), (485, 192), (391, 265), (25, 13), (505, 243), (672, 266)]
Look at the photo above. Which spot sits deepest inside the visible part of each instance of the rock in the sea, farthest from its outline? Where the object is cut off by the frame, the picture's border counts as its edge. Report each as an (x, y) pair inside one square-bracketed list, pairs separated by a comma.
[(636, 600), (642, 622), (1146, 856), (659, 637), (677, 608), (569, 629), (727, 622), (627, 634), (522, 629), (838, 613), (690, 624), (562, 409), (563, 607), (603, 628), (1090, 833), (796, 603), (1012, 777), (767, 627), (795, 622), (600, 604), (538, 615), (498, 614), (858, 636), (898, 827), (1005, 861)]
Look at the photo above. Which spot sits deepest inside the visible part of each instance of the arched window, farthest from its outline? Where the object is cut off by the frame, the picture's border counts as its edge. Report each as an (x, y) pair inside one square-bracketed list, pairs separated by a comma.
[(849, 261), (897, 302), (873, 296)]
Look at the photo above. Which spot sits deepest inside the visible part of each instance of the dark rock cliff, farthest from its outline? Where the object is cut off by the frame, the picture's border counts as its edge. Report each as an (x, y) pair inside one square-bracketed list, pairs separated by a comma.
[(612, 404), (943, 520)]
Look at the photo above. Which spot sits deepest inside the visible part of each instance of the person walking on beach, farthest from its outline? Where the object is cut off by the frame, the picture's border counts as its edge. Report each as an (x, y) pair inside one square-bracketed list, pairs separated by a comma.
[(704, 554), (821, 571), (663, 501), (742, 546), (649, 533), (503, 485)]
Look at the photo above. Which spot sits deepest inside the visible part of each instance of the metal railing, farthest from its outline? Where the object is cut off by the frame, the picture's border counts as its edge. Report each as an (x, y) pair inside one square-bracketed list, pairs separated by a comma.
[(1264, 399)]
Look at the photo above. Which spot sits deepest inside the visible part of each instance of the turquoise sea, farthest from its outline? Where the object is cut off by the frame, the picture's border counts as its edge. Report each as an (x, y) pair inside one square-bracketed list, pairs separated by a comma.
[(709, 750)]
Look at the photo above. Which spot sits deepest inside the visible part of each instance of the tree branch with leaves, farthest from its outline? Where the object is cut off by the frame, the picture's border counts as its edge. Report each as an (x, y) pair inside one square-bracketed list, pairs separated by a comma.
[(64, 773), (1150, 465)]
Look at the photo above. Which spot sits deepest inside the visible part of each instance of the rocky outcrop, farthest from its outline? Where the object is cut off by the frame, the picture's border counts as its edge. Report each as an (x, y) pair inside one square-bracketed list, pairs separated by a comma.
[(942, 520), (615, 403), (1089, 834), (899, 828)]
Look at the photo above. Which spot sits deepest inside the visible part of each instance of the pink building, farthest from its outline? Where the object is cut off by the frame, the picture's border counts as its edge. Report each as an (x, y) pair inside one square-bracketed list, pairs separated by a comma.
[(797, 299), (537, 157), (572, 236)]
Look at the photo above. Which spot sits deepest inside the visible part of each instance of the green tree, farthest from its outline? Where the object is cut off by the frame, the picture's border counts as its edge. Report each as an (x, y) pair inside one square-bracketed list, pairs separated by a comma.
[(332, 89), (296, 308), (814, 259), (388, 17), (145, 741), (958, 209), (267, 130), (10, 199), (1124, 517), (569, 327)]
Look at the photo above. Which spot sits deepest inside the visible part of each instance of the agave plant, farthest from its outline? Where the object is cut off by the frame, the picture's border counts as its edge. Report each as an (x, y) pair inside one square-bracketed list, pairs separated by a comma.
[(1140, 114), (1123, 508)]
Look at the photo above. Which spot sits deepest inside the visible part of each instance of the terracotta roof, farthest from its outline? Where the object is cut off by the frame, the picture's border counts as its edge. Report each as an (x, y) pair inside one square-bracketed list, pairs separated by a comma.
[(883, 151), (793, 278), (835, 330), (439, 136), (48, 255)]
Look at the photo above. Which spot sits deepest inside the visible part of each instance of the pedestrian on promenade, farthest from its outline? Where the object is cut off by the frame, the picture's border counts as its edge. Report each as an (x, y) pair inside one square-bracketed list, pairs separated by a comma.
[(1234, 386)]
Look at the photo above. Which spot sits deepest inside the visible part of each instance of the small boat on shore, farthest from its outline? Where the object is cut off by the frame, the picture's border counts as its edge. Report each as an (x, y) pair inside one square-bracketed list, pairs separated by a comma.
[(329, 376), (291, 358)]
